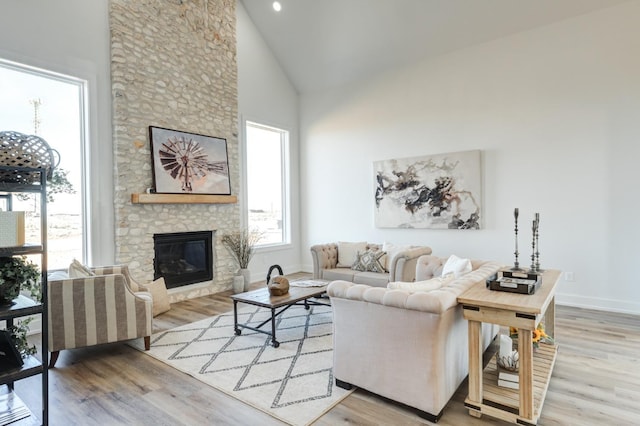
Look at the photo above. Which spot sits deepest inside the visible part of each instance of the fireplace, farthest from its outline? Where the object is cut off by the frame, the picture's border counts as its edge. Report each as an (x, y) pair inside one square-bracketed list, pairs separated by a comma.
[(183, 258)]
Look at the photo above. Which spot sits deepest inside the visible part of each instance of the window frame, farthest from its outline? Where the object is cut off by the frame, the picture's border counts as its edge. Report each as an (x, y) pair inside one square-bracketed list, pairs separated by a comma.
[(83, 108), (285, 156)]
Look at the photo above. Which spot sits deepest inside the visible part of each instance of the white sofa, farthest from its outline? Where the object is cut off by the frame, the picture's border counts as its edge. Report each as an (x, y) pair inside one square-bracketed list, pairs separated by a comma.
[(409, 347), (400, 265)]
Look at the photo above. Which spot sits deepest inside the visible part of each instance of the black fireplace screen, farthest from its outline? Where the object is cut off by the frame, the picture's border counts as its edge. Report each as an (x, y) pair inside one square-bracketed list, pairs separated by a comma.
[(183, 258)]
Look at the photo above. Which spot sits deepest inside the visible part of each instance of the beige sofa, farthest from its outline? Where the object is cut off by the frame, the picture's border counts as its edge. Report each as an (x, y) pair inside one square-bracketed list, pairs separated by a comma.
[(399, 265), (409, 347)]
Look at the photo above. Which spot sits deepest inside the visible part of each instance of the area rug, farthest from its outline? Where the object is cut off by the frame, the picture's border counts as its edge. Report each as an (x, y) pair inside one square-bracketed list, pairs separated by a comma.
[(293, 382)]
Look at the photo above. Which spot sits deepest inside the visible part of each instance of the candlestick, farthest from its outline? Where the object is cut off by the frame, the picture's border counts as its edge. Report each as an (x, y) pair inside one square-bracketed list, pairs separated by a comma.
[(516, 265), (533, 247), (537, 245)]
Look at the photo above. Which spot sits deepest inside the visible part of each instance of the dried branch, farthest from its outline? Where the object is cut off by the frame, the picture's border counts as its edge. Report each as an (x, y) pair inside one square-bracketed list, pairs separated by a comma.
[(241, 245)]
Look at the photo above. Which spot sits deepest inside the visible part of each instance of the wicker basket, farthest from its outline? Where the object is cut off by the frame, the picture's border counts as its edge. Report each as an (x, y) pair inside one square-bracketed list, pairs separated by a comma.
[(20, 150)]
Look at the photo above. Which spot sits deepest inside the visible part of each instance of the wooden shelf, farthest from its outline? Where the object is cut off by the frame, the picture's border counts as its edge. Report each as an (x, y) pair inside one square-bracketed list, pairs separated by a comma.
[(31, 367), (508, 400), (183, 199), (21, 250), (21, 307)]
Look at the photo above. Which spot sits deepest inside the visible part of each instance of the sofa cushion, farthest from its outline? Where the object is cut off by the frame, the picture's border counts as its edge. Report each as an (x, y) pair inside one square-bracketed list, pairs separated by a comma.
[(345, 274), (369, 261), (347, 252), (373, 279), (422, 286), (57, 276), (456, 266)]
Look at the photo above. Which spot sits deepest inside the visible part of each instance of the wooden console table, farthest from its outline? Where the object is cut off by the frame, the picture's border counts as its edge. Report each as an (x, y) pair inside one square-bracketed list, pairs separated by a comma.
[(524, 312)]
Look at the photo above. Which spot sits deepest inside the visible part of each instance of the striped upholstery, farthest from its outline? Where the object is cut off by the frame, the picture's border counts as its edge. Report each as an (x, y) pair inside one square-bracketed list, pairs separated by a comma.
[(98, 309)]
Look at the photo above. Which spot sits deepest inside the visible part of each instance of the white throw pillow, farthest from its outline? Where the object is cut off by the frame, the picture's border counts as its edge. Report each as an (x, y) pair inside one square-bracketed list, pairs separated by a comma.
[(348, 253), (456, 266), (392, 251), (78, 270), (421, 286)]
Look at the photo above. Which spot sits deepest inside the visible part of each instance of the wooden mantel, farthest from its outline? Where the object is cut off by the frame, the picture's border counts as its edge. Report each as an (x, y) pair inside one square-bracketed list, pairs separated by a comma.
[(182, 199)]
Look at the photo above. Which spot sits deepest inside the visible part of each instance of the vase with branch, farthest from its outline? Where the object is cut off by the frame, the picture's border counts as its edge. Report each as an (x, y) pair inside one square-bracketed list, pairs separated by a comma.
[(241, 245)]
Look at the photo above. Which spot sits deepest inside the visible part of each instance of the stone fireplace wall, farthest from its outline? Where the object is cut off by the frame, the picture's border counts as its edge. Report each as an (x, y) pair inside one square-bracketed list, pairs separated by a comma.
[(173, 65)]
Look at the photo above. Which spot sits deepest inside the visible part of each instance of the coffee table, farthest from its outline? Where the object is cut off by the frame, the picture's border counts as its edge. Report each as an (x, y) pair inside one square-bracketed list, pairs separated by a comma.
[(277, 305)]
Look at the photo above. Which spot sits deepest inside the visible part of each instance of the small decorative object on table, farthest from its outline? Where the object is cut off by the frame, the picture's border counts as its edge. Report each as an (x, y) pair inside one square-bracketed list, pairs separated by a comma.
[(535, 239), (508, 361), (279, 285), (537, 336), (515, 282), (516, 264)]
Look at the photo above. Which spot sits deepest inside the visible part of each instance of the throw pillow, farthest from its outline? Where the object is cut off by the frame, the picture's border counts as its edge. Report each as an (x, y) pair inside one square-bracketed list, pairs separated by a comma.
[(78, 270), (159, 295), (347, 253), (456, 266), (421, 286), (369, 261)]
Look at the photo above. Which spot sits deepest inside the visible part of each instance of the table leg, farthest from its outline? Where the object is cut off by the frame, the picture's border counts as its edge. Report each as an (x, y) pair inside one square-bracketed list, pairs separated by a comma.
[(475, 365), (274, 342), (550, 318), (525, 349), (236, 329)]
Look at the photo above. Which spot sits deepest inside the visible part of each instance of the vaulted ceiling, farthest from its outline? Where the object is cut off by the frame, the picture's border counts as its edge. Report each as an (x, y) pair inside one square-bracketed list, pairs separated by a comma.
[(328, 43)]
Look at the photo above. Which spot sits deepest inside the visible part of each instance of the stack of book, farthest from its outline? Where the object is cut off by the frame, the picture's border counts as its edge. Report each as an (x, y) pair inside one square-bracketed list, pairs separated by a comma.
[(508, 379)]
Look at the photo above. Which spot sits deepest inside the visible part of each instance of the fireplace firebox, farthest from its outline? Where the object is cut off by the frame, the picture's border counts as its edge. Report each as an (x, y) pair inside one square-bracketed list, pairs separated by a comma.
[(183, 258)]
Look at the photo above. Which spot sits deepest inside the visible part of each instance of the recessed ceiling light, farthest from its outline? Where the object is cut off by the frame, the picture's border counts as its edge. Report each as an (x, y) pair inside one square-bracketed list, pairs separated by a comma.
[(277, 6)]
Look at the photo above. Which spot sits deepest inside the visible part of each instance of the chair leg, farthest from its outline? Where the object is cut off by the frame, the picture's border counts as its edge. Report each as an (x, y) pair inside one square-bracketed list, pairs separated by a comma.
[(147, 343), (53, 359)]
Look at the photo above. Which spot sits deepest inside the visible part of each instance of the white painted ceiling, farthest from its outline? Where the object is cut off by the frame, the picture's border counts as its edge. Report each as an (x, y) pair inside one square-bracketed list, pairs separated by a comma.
[(328, 43)]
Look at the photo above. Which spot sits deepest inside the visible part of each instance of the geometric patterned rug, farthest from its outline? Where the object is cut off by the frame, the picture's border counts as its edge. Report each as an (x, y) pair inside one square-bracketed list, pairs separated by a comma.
[(293, 382)]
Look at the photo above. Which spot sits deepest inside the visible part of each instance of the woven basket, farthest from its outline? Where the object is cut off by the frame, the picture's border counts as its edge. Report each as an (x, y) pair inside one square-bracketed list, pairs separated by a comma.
[(20, 150)]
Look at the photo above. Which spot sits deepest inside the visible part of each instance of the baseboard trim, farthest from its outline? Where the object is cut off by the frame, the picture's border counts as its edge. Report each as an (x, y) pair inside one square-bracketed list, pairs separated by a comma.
[(598, 304)]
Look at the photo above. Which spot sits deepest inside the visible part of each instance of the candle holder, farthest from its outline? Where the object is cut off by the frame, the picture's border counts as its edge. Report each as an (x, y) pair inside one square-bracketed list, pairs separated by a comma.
[(532, 269), (537, 233), (516, 265)]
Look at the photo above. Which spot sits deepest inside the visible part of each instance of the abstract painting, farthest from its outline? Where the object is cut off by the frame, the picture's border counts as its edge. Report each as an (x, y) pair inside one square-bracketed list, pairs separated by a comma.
[(441, 191), (188, 163)]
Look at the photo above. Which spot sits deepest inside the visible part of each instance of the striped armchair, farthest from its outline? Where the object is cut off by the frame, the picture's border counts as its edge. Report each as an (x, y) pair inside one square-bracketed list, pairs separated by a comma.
[(98, 309)]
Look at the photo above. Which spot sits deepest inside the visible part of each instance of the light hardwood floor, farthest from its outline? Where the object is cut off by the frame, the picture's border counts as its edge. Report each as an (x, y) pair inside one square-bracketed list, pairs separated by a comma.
[(596, 381)]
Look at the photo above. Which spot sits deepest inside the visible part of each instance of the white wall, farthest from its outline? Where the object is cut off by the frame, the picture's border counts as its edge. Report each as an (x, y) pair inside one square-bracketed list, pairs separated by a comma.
[(266, 96), (554, 111), (72, 38)]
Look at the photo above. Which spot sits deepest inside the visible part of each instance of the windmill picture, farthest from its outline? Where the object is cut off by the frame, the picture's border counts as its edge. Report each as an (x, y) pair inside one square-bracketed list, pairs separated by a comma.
[(189, 163)]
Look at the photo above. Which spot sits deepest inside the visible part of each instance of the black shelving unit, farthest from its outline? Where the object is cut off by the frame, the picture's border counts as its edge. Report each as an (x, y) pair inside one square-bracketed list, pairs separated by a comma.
[(26, 180)]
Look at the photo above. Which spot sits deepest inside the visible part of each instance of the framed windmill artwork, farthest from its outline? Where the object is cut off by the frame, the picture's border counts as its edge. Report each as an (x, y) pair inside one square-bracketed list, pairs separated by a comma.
[(189, 163)]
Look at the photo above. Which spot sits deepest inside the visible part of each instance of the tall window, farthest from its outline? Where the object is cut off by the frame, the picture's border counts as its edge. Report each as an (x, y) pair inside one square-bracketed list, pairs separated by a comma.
[(49, 105), (268, 182)]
